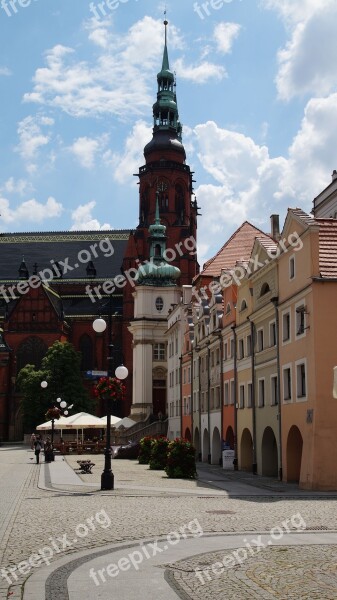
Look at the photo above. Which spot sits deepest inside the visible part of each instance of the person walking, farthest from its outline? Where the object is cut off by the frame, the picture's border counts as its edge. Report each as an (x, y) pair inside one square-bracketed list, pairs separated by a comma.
[(32, 441), (38, 448)]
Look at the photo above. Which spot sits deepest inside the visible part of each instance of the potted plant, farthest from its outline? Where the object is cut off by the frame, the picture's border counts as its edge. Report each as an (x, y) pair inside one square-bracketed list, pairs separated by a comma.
[(181, 459), (110, 388), (159, 453)]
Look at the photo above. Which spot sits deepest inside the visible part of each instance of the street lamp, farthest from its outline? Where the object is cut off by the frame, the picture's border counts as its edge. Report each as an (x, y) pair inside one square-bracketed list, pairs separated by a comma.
[(99, 325), (63, 405)]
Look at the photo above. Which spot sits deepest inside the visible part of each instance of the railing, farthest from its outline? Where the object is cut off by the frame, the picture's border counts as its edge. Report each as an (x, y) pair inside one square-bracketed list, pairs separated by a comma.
[(156, 428)]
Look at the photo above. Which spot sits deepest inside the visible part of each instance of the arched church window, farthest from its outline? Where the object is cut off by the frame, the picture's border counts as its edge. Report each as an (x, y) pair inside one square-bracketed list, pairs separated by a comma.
[(159, 304), (87, 352), (30, 352), (179, 203), (163, 196)]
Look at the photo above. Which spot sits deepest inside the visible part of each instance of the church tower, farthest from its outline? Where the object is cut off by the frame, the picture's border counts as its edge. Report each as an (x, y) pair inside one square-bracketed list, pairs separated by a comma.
[(165, 177)]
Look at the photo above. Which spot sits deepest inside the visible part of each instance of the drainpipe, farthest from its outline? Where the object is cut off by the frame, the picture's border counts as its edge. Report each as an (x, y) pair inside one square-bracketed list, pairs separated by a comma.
[(209, 458), (199, 407), (252, 333), (181, 394), (235, 461), (220, 339), (192, 403), (279, 409)]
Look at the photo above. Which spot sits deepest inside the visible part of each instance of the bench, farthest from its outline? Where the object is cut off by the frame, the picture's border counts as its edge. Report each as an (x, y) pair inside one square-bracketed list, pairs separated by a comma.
[(86, 466)]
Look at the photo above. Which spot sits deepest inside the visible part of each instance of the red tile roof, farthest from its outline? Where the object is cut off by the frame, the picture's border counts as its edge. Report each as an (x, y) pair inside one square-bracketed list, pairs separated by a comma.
[(237, 249), (327, 247)]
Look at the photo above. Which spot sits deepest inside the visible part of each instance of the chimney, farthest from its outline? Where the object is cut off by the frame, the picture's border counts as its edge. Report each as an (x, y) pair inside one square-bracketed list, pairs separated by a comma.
[(334, 175), (275, 227)]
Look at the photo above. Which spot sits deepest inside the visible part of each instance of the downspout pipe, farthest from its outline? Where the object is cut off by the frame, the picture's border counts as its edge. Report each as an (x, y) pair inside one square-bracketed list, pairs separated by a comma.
[(209, 457), (279, 408), (235, 461), (252, 332)]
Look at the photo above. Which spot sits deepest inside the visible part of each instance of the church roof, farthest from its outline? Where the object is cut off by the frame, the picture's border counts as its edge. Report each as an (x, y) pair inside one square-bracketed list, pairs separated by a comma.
[(71, 251)]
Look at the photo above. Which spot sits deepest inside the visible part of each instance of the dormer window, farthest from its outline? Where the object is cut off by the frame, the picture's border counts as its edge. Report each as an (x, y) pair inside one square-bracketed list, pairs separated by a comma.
[(159, 304), (264, 289)]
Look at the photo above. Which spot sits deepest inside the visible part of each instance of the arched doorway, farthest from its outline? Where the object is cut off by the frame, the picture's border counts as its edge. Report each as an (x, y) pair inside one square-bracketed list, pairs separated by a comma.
[(294, 454), (187, 435), (197, 443), (205, 446), (269, 453), (216, 447), (230, 437), (246, 447)]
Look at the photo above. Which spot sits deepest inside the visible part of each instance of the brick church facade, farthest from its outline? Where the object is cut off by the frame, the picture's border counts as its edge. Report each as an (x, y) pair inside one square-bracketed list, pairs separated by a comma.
[(54, 284)]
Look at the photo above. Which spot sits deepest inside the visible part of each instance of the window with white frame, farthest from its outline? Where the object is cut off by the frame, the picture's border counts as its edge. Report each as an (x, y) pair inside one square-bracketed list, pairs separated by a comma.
[(261, 387), (185, 413), (225, 348), (232, 347), (184, 376), (249, 395), (249, 345), (226, 394), (241, 349), (272, 334), (212, 399), (273, 390), (202, 401), (286, 383), (242, 396), (260, 340), (189, 375), (159, 352), (232, 396), (292, 267), (286, 326), (301, 383), (217, 355), (217, 397)]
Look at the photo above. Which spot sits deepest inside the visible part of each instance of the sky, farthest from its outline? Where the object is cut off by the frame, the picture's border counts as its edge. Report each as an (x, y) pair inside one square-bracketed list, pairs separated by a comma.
[(257, 97)]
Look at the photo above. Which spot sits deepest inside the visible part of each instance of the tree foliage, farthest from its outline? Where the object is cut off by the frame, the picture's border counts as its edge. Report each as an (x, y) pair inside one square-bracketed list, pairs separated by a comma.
[(61, 369)]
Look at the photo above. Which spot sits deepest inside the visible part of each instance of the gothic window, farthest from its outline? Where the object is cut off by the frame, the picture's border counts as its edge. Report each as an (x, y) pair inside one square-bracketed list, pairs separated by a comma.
[(30, 352), (144, 206), (179, 203), (86, 349), (163, 196)]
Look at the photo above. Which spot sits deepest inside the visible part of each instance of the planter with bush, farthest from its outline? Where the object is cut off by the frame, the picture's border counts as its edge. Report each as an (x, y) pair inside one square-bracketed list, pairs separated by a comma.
[(181, 460), (159, 453)]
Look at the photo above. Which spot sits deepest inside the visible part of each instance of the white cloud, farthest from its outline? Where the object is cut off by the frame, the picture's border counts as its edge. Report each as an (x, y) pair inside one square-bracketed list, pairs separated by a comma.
[(32, 138), (84, 221), (118, 82), (85, 150), (225, 34), (127, 163), (200, 73), (5, 71), (20, 186), (30, 210), (306, 64)]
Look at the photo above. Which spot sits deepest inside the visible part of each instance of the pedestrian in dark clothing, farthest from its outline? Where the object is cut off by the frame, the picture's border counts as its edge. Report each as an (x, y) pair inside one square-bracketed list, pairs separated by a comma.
[(38, 448)]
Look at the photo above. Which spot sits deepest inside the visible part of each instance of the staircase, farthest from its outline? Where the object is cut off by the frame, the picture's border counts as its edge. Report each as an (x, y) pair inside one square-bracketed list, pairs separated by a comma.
[(142, 429)]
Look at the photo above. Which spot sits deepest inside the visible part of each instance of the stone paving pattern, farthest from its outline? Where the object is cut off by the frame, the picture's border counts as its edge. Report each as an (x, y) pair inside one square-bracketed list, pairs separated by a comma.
[(301, 573), (41, 514)]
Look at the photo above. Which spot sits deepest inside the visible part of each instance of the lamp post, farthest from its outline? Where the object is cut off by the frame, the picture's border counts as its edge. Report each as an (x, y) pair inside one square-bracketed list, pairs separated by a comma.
[(99, 325), (64, 407)]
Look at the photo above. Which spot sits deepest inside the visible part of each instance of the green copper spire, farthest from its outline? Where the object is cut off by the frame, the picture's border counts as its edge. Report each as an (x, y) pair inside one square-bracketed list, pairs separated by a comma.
[(157, 271), (166, 64)]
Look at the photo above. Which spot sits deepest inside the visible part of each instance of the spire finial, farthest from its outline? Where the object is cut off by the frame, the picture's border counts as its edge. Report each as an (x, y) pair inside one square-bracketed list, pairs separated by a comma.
[(166, 24)]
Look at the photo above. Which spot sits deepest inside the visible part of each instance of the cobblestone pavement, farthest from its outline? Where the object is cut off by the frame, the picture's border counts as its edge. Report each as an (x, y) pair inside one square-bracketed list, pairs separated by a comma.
[(301, 573), (42, 516)]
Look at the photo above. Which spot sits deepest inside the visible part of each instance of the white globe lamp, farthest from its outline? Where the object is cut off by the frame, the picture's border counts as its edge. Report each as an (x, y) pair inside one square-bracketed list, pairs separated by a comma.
[(99, 325), (63, 404), (121, 372), (44, 384)]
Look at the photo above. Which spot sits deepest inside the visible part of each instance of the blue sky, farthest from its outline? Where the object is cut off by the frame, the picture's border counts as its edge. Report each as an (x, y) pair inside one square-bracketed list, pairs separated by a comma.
[(257, 96)]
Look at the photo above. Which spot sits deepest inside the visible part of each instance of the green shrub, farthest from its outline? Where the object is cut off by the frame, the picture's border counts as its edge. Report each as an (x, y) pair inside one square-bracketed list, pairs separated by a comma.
[(159, 453), (145, 450), (181, 460)]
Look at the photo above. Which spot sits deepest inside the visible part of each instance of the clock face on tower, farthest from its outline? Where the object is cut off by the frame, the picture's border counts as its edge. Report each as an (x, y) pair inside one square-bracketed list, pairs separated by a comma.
[(162, 186)]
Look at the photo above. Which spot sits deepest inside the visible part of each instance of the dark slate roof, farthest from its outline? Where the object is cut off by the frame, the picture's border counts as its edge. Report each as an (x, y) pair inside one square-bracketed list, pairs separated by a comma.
[(41, 248)]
